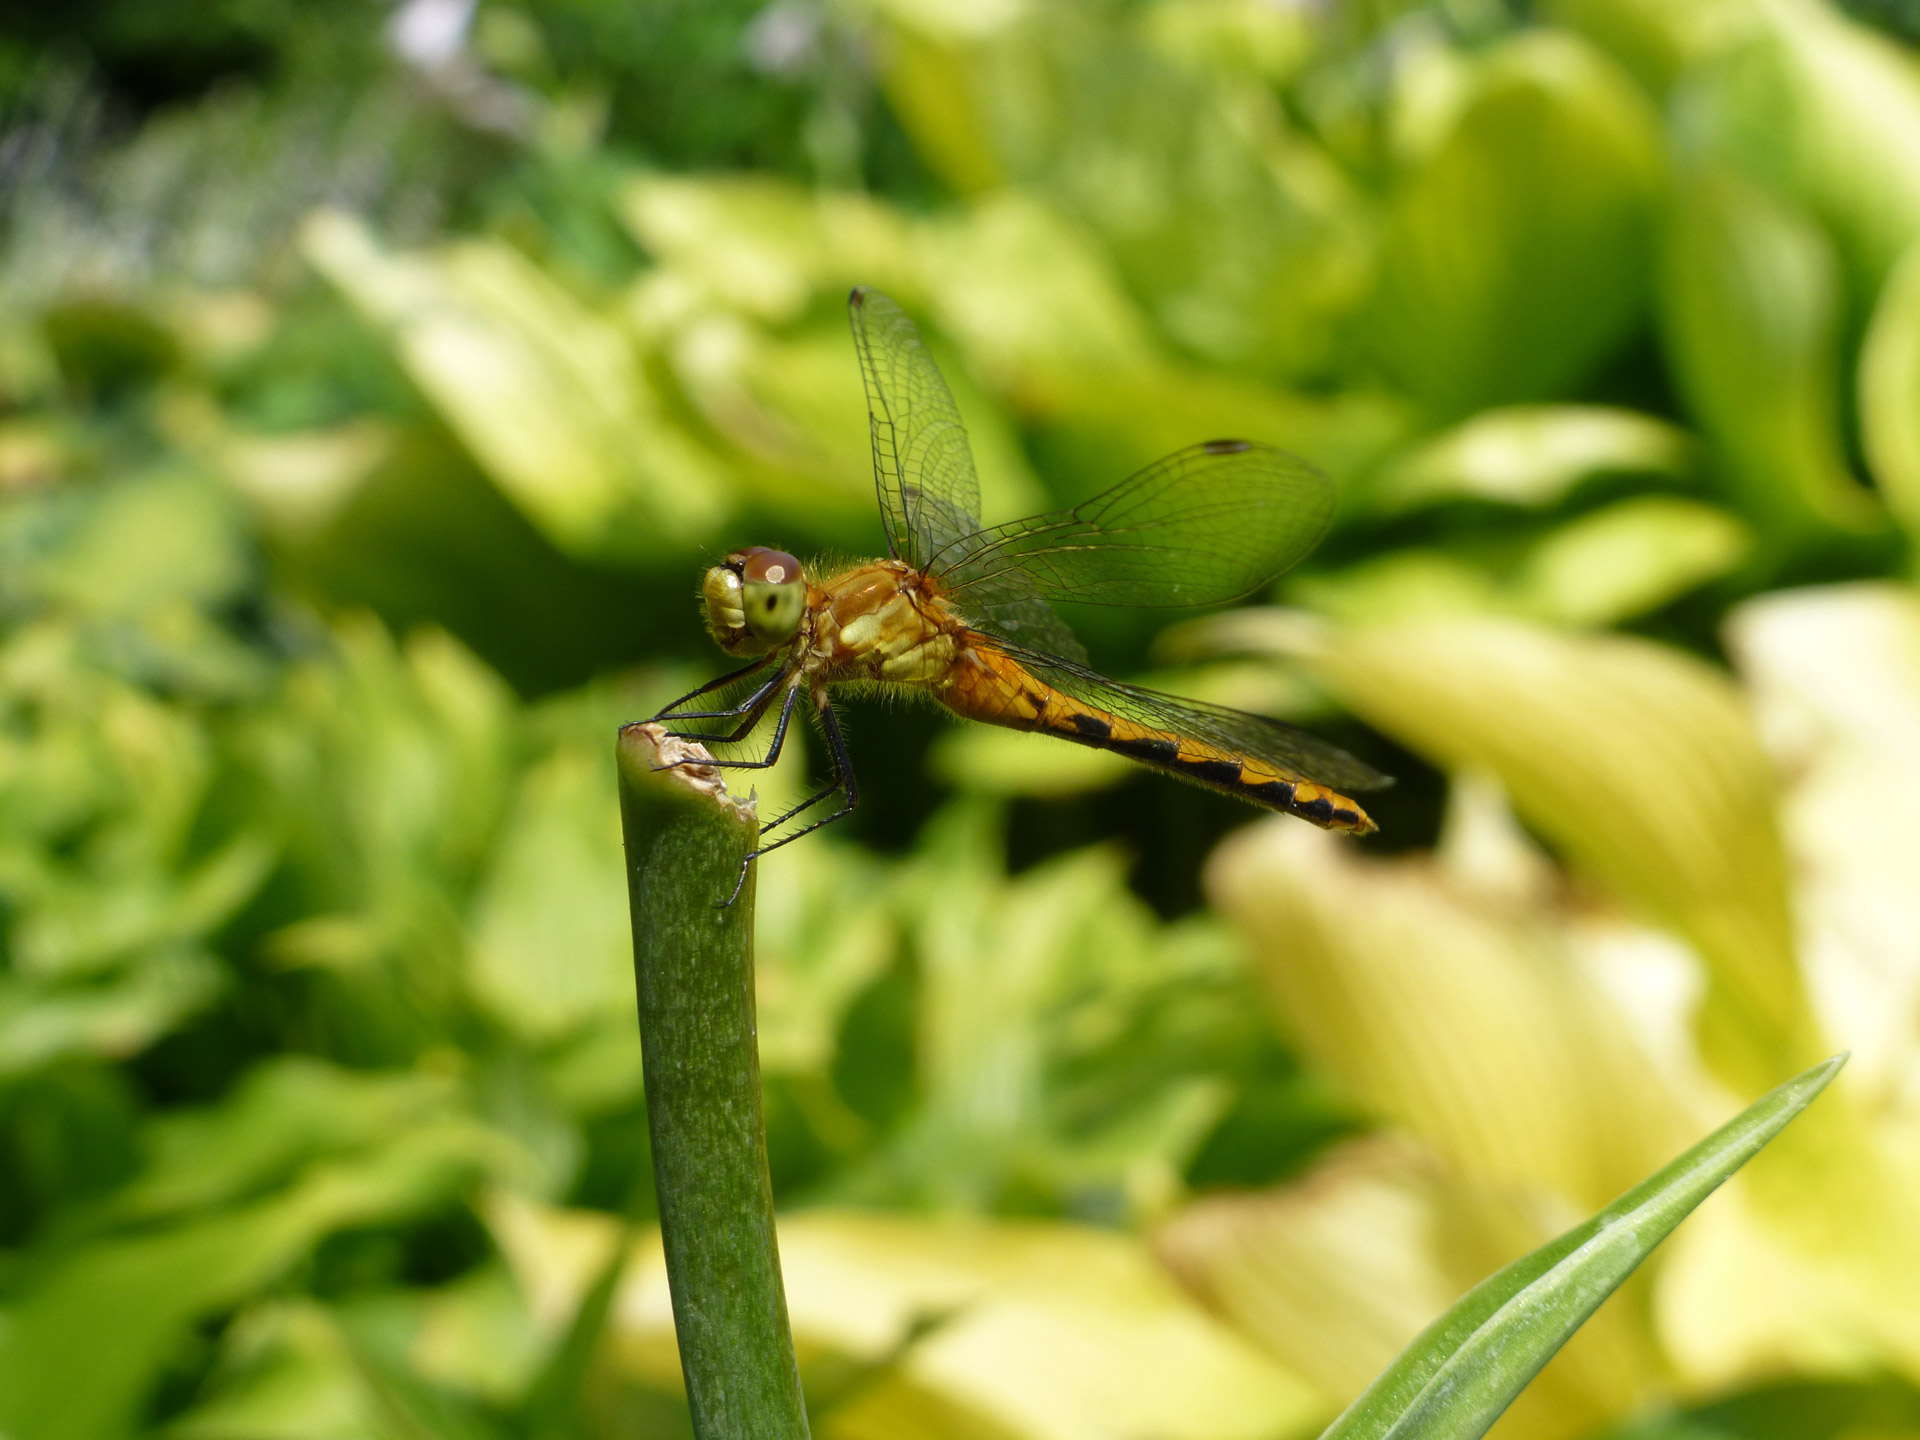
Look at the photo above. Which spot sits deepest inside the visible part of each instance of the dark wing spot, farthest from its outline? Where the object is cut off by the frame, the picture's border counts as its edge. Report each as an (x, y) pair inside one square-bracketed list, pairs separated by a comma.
[(1226, 447), (1090, 725), (1219, 772)]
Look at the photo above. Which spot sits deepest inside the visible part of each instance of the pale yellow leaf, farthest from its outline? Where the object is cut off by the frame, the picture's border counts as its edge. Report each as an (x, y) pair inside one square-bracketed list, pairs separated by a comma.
[(1642, 765), (1812, 1269), (1533, 455), (1629, 558), (1834, 673), (1458, 1018), (1019, 1331), (1049, 1331), (1398, 585), (1336, 1273)]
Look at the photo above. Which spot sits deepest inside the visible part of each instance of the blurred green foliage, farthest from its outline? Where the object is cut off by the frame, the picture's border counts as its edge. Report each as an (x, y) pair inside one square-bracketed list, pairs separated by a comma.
[(376, 380)]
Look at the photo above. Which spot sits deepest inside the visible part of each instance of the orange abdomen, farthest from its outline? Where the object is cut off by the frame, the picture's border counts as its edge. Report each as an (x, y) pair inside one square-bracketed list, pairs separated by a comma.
[(989, 686)]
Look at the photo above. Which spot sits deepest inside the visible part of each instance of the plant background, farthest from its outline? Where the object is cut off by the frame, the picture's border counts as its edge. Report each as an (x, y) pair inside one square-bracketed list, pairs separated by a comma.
[(375, 381)]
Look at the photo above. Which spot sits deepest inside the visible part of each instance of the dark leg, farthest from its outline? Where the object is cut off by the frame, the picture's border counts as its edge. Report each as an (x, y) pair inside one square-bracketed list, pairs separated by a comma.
[(806, 804), (833, 784), (750, 707), (709, 687), (843, 779), (745, 728)]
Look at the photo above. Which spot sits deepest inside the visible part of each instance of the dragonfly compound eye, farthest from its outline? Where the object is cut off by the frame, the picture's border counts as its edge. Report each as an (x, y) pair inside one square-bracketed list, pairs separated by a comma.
[(773, 592)]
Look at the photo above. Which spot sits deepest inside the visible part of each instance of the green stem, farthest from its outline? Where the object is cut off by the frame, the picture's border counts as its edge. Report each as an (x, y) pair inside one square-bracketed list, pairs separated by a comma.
[(693, 964)]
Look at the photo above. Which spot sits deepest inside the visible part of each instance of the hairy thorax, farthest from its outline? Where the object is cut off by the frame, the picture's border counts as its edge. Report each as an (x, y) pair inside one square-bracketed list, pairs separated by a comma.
[(879, 622)]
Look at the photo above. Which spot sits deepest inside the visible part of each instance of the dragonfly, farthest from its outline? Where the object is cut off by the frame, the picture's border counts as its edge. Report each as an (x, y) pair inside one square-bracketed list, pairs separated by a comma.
[(964, 612)]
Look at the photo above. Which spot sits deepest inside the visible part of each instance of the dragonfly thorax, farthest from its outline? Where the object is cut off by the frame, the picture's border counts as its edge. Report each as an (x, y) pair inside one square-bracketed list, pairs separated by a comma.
[(755, 600)]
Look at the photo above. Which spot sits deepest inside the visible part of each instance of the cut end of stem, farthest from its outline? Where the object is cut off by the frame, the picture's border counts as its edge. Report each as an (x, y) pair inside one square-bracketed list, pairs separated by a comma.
[(648, 749)]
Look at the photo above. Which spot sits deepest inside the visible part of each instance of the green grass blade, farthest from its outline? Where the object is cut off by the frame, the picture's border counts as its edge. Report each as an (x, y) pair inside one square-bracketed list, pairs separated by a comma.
[(1467, 1367)]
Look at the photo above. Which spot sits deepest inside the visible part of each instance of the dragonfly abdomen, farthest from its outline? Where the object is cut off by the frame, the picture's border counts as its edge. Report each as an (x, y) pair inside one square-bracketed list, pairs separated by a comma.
[(1000, 691), (1205, 765)]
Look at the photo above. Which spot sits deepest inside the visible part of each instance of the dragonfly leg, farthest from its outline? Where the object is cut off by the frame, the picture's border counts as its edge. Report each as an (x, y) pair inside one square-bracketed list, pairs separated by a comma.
[(740, 732), (753, 711), (806, 804), (843, 779), (708, 688), (834, 782), (751, 707)]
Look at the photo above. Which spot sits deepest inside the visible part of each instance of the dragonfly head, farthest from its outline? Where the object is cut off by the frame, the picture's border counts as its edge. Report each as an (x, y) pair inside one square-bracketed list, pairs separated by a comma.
[(755, 600)]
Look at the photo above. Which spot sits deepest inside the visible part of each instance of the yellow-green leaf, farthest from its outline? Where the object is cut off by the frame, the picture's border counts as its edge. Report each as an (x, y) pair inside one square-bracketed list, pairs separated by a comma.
[(1890, 392), (1750, 312), (548, 396), (1514, 256), (552, 948), (1819, 109)]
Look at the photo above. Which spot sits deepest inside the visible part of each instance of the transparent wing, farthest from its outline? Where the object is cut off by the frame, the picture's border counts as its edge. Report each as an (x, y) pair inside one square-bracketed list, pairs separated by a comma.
[(1206, 524), (922, 465), (1253, 737), (1029, 621)]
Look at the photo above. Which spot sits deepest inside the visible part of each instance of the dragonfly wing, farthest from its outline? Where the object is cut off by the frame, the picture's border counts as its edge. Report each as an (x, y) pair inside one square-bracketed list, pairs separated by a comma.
[(1030, 622), (922, 464), (1208, 523), (1263, 744)]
